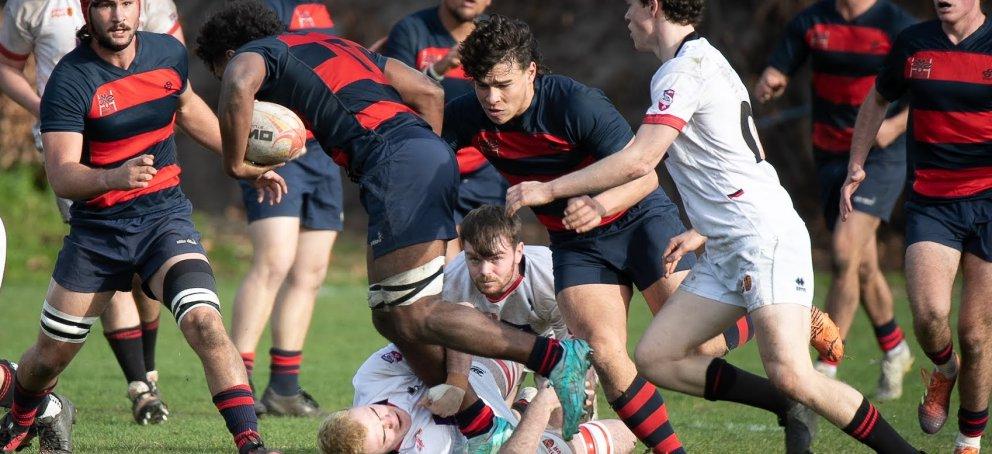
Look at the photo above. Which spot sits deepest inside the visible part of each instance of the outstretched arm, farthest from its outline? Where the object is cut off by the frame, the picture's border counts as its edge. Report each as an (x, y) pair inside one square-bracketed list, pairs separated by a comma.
[(527, 435)]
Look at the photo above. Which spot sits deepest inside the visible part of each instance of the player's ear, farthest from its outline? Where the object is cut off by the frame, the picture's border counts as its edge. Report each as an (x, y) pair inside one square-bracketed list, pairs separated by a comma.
[(532, 71), (518, 252), (655, 6)]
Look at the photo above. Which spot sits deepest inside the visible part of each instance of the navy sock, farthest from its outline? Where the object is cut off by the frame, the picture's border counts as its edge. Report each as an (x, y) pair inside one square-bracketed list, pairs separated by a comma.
[(284, 371)]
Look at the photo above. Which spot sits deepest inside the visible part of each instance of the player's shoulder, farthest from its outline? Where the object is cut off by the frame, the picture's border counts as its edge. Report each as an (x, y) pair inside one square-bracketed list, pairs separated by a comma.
[(921, 35), (160, 41), (538, 255), (29, 12), (569, 96), (816, 12)]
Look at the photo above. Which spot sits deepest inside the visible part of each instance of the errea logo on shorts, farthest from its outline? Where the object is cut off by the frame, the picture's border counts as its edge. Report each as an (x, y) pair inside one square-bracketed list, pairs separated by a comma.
[(865, 200), (800, 284), (186, 241)]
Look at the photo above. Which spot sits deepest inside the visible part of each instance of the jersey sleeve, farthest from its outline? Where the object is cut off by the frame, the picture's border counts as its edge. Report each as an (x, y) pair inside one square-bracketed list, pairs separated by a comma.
[(891, 80), (275, 56), (454, 130), (383, 372), (675, 96), (181, 61), (401, 43), (542, 281), (16, 39), (65, 102), (593, 122), (159, 16), (791, 51)]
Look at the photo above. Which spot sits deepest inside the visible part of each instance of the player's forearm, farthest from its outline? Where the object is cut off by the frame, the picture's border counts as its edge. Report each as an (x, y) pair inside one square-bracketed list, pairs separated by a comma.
[(618, 169), (76, 181), (627, 195), (14, 84), (458, 365), (199, 122), (527, 435), (870, 118), (235, 112)]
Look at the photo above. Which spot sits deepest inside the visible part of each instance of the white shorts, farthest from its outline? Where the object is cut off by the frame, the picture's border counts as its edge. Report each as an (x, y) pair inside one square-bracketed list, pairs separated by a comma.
[(761, 271)]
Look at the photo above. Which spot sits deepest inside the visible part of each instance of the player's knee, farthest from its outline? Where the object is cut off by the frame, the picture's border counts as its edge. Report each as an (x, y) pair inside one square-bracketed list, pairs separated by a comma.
[(62, 327), (867, 272), (974, 339), (648, 355), (188, 285), (204, 328), (307, 278), (841, 262), (272, 267), (786, 379)]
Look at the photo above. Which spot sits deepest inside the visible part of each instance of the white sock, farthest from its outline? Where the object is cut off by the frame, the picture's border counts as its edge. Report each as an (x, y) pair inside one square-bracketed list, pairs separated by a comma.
[(897, 350), (949, 369), (974, 442), (53, 407), (830, 370)]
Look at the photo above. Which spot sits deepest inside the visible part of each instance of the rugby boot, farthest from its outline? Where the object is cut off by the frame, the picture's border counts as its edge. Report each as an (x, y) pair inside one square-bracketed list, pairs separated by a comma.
[(932, 411), (55, 432), (894, 368), (146, 406), (490, 442), (569, 380), (824, 335), (255, 445), (13, 437), (965, 449), (299, 404), (590, 411), (800, 424)]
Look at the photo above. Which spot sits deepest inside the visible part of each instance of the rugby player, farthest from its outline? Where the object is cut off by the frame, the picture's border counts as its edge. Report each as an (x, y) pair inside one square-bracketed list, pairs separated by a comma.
[(389, 415), (846, 42), (291, 247), (47, 29), (942, 66), (107, 121), (757, 251), (377, 117), (428, 40)]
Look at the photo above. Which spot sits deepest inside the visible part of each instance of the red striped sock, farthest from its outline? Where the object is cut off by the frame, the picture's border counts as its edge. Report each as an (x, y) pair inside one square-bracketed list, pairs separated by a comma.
[(475, 420), (249, 359), (739, 334), (889, 335), (871, 429), (643, 410), (545, 355), (26, 403), (128, 349), (236, 405), (972, 423), (284, 371), (942, 356)]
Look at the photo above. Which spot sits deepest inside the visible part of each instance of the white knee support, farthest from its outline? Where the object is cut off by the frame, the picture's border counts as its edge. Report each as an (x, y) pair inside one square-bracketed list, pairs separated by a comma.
[(596, 438), (64, 327), (409, 286)]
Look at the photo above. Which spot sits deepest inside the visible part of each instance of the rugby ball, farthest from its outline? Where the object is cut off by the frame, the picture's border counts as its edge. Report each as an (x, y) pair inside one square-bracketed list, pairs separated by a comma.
[(277, 135)]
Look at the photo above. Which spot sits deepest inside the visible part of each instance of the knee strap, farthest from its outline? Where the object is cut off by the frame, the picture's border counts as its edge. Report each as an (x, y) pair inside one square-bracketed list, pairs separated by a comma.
[(408, 287), (64, 327), (189, 284)]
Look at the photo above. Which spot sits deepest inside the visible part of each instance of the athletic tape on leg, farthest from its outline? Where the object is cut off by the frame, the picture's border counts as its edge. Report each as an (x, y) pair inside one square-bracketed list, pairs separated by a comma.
[(190, 284), (409, 286), (64, 327)]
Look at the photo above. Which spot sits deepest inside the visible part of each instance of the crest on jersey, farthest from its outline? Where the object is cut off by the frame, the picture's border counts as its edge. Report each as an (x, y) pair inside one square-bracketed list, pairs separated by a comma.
[(550, 446), (667, 97), (107, 103), (919, 68), (987, 74), (488, 146), (392, 357), (819, 40)]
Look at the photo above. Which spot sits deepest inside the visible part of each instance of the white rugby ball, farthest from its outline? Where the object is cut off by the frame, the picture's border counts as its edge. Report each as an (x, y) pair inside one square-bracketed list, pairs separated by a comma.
[(277, 135)]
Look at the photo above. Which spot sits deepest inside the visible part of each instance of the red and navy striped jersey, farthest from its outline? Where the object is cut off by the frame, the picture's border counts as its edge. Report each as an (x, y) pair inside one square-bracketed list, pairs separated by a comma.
[(122, 113), (339, 91), (949, 88), (567, 127), (846, 56), (301, 15), (419, 40)]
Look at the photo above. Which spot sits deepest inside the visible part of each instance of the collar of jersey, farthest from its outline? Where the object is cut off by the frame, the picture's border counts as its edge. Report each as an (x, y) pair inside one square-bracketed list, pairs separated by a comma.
[(691, 36)]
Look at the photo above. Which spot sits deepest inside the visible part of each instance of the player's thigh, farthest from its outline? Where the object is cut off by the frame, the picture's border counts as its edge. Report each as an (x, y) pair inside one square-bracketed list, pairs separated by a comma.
[(930, 271), (157, 280), (851, 237), (274, 241), (122, 312), (974, 317), (782, 334), (685, 322), (313, 253), (67, 317), (658, 293), (596, 312)]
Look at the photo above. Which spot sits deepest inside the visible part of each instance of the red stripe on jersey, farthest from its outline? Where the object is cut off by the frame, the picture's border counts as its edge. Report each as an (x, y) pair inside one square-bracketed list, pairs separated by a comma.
[(520, 145), (294, 40), (832, 139), (166, 178), (850, 91), (952, 183), (104, 153), (932, 126), (377, 113), (469, 160), (340, 71), (430, 55), (175, 27), (12, 55), (665, 119), (312, 15), (555, 224), (951, 66), (134, 90), (848, 38)]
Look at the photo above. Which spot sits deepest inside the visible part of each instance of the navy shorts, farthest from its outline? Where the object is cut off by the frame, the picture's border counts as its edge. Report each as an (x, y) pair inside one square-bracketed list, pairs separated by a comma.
[(963, 225), (485, 186), (101, 255), (409, 191), (314, 196), (627, 251), (877, 195)]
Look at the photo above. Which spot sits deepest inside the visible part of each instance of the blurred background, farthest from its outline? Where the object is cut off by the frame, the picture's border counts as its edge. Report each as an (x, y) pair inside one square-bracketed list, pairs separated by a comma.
[(584, 39)]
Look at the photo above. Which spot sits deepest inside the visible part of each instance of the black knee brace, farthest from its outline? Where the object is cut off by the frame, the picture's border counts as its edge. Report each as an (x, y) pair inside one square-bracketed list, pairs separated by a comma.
[(189, 284)]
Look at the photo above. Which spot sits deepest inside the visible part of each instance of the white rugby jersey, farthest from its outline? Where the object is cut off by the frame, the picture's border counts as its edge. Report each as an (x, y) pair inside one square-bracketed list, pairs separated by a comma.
[(529, 303), (47, 28), (730, 191)]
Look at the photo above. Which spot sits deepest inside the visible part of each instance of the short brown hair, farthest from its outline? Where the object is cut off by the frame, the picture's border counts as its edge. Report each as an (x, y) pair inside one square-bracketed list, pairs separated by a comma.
[(484, 228), (339, 434), (682, 12), (499, 39)]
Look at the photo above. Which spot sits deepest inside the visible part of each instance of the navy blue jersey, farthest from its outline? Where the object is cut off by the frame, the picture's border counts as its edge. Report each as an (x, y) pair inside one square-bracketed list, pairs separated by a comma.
[(567, 127), (338, 89), (122, 113), (846, 57), (949, 88), (303, 15), (420, 40)]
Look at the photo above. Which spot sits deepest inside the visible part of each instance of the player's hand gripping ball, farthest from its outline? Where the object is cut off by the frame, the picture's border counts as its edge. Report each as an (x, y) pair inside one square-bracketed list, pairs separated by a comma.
[(277, 135)]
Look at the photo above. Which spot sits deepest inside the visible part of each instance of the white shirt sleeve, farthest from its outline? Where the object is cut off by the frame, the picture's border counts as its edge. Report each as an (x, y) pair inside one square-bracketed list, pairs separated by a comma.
[(159, 16), (16, 38), (675, 96)]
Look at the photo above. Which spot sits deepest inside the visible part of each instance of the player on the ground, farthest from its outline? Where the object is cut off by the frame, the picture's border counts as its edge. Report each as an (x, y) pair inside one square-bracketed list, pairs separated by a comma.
[(377, 117), (291, 247), (107, 121), (535, 126), (757, 251), (428, 40), (942, 66), (47, 29), (388, 414), (847, 41)]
